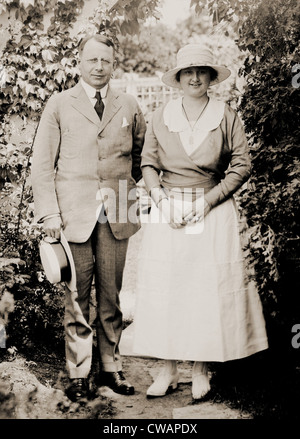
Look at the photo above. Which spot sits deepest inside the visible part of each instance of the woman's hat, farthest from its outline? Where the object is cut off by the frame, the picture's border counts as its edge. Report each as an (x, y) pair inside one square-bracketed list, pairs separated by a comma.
[(57, 261), (194, 55)]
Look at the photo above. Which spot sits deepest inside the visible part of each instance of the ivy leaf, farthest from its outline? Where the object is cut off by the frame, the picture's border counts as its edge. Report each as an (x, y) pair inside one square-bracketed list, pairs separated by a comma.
[(25, 41), (42, 93), (60, 76), (26, 3), (48, 55), (29, 88)]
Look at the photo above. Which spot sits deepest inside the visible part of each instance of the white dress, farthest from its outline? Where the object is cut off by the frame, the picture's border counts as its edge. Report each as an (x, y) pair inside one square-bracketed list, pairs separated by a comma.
[(193, 298)]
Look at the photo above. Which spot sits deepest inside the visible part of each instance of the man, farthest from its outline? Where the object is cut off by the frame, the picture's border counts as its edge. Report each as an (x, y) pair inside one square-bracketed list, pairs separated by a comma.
[(86, 163)]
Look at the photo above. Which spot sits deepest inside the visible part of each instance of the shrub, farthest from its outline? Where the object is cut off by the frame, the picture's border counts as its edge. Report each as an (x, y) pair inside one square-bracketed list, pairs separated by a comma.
[(271, 114), (36, 316)]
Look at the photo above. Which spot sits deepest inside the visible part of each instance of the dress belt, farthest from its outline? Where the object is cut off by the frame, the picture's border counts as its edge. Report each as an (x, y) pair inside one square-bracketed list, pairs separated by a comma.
[(190, 193)]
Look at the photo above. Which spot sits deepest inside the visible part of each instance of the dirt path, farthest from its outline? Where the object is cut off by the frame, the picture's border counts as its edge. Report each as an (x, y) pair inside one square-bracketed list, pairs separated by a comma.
[(139, 372), (30, 390), (176, 405)]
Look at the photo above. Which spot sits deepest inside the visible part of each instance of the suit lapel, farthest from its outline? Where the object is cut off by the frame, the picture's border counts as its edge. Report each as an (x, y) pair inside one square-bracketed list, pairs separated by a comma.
[(83, 104), (112, 106)]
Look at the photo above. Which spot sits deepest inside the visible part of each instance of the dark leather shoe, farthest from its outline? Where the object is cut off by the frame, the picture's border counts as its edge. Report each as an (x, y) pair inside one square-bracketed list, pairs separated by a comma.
[(77, 389), (117, 382)]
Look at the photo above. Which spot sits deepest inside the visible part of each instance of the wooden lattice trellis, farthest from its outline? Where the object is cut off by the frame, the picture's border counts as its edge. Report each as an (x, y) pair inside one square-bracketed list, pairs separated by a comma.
[(150, 92)]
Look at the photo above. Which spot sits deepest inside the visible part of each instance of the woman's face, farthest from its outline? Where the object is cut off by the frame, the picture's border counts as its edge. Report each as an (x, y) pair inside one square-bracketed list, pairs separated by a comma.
[(195, 81)]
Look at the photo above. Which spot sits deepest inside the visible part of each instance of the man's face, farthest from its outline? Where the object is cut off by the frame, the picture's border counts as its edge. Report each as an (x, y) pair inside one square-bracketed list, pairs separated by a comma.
[(96, 63)]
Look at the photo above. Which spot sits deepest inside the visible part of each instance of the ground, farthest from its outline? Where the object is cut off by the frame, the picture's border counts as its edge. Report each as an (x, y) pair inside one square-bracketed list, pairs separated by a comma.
[(34, 390), (264, 386)]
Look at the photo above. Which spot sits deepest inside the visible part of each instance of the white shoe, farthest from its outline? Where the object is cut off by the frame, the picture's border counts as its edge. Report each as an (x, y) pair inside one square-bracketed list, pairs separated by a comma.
[(200, 386), (164, 383)]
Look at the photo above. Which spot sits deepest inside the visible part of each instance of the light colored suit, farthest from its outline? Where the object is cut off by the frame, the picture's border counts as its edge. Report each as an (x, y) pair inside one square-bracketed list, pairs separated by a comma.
[(75, 155)]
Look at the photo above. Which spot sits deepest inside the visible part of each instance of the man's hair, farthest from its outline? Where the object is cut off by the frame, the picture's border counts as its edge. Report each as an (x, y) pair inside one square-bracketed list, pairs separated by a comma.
[(98, 37)]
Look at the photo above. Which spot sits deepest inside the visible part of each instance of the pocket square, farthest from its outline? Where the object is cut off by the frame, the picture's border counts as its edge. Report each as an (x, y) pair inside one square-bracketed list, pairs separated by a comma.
[(124, 123)]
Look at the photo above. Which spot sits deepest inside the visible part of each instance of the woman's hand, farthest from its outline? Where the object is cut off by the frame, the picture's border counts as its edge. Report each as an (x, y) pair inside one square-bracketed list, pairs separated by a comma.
[(197, 212), (172, 214)]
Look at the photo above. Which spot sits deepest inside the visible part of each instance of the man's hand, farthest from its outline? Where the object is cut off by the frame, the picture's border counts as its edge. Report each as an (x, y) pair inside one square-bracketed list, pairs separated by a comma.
[(52, 227)]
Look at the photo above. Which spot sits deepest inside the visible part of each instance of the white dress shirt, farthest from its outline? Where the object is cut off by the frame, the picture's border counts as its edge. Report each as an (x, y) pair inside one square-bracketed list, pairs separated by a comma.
[(91, 91)]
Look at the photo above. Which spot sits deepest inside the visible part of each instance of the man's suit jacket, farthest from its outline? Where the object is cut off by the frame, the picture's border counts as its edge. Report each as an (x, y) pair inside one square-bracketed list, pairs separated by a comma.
[(75, 155)]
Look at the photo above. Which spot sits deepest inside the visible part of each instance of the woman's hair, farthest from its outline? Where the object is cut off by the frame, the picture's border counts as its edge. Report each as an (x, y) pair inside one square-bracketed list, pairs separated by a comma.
[(212, 72), (100, 38)]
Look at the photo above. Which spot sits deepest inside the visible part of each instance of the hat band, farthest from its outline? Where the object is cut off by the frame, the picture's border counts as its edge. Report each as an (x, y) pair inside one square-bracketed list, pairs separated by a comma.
[(66, 273), (65, 269)]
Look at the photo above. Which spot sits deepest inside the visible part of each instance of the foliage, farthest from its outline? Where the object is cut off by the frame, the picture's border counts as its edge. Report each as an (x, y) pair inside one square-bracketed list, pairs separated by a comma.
[(268, 33), (234, 12), (36, 62), (122, 17), (152, 50), (36, 305)]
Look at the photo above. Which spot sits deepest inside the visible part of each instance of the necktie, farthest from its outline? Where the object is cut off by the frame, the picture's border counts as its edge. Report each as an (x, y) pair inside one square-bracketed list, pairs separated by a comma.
[(99, 106)]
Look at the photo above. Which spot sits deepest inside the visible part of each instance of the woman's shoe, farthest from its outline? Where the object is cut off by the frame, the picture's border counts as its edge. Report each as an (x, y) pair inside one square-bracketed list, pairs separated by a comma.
[(200, 386), (164, 383)]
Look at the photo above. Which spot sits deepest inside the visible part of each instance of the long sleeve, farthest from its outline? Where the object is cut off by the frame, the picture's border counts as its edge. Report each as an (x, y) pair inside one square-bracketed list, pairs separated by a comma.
[(45, 151), (151, 177), (240, 164), (150, 166)]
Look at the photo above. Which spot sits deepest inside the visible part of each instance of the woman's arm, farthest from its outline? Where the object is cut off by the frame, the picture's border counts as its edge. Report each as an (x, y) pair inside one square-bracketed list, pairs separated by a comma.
[(240, 164)]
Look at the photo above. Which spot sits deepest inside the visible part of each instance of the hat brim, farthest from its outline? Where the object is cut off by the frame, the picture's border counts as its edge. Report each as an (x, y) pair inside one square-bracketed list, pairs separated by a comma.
[(56, 261), (169, 78), (72, 283)]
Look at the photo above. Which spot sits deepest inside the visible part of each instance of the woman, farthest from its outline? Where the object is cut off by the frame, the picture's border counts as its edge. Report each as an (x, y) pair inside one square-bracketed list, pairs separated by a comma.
[(194, 301)]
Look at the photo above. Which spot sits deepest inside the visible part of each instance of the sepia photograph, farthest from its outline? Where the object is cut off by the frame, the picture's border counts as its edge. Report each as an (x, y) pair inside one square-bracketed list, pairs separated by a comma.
[(149, 215)]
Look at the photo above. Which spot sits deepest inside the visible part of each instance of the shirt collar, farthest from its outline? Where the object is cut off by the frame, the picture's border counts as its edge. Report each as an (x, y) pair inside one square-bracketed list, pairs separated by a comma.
[(90, 91)]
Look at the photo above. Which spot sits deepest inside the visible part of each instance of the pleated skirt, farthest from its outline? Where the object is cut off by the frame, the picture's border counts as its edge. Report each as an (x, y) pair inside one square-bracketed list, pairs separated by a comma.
[(194, 300)]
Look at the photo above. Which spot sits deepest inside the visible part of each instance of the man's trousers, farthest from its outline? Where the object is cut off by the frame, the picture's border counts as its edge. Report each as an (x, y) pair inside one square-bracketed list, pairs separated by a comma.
[(101, 256)]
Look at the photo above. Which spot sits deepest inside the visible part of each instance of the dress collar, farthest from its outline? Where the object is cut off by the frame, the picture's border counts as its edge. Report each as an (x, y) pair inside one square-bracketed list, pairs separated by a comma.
[(176, 122)]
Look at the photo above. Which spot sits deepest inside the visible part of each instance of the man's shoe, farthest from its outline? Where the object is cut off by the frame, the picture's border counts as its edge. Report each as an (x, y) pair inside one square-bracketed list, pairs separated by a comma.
[(117, 382), (77, 389)]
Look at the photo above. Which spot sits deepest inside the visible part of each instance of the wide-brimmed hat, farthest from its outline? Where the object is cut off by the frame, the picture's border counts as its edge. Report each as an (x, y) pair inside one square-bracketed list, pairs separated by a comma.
[(195, 55), (57, 261)]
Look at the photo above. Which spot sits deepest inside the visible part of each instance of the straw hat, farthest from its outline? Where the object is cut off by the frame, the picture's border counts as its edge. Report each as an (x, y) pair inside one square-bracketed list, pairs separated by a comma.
[(57, 261), (194, 55)]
